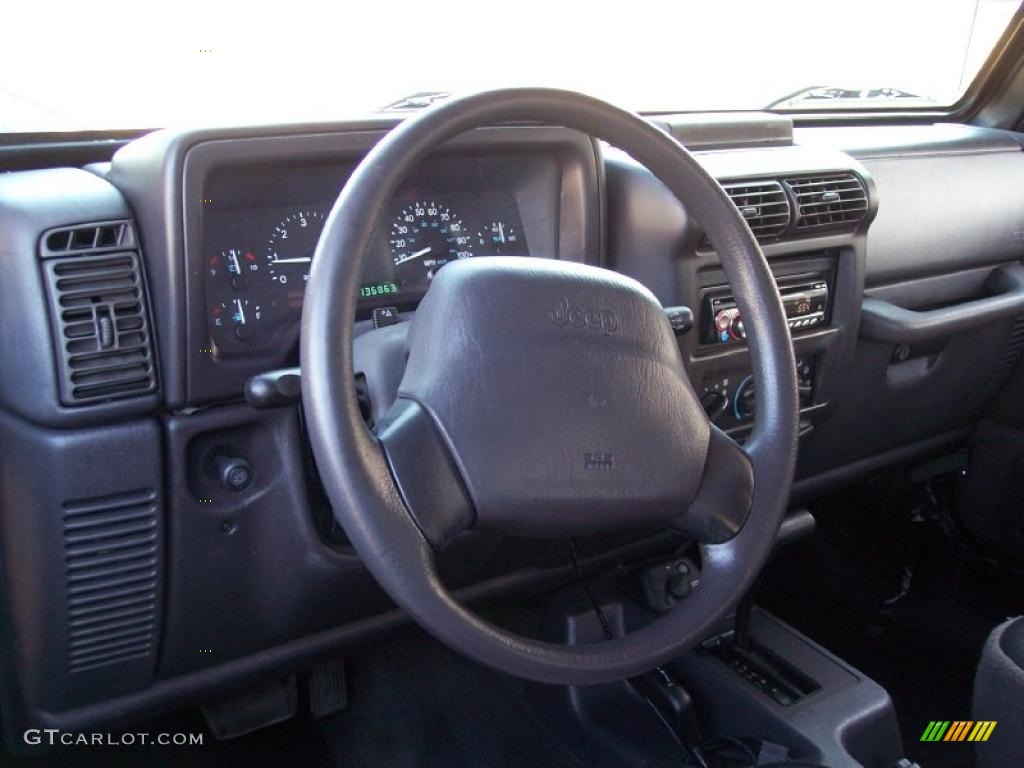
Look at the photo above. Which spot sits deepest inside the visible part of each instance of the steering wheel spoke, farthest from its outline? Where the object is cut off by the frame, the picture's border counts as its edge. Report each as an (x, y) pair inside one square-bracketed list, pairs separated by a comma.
[(425, 473), (722, 504)]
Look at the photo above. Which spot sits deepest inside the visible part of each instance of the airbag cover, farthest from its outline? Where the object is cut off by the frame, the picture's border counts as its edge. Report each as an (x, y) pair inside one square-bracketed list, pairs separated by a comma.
[(560, 392)]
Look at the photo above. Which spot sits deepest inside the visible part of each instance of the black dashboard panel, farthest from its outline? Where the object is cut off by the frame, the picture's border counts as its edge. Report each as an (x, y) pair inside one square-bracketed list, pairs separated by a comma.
[(953, 197)]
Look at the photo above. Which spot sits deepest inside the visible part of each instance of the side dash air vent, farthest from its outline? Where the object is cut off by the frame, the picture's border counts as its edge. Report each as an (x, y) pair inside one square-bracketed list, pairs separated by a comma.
[(835, 200), (764, 206), (101, 327), (111, 562)]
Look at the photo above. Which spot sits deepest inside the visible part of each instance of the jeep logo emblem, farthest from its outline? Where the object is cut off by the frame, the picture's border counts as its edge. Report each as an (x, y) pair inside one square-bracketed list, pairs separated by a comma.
[(603, 320)]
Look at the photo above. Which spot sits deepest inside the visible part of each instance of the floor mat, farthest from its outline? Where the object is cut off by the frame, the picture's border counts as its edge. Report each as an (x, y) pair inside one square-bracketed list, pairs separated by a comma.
[(918, 632), (415, 703)]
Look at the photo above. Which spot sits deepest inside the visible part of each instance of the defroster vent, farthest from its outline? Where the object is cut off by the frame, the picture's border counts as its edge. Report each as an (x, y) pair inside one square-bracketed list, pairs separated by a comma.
[(101, 326), (103, 236), (111, 559)]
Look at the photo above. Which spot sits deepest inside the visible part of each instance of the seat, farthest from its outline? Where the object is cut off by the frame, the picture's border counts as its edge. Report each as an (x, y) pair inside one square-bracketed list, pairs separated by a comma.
[(999, 695)]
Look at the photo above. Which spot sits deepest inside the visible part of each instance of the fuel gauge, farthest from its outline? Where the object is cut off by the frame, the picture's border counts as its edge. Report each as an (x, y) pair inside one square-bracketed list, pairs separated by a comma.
[(237, 318), (499, 239)]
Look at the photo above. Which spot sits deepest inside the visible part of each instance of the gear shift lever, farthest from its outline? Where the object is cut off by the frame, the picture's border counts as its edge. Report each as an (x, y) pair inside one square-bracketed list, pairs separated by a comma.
[(797, 525)]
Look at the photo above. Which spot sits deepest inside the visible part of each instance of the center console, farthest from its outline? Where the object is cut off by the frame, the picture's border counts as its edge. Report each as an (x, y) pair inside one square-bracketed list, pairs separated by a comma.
[(810, 209), (726, 385), (826, 709), (755, 678)]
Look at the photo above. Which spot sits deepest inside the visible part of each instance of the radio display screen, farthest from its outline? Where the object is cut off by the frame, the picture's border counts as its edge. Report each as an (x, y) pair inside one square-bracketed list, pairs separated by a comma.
[(805, 300)]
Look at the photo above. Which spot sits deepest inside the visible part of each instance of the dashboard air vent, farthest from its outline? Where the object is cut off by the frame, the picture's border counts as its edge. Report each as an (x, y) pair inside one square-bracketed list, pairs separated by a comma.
[(828, 201), (111, 563), (764, 206), (107, 235), (101, 327)]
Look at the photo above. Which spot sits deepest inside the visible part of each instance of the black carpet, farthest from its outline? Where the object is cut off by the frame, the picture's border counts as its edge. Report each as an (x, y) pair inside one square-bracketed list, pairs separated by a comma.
[(414, 703), (919, 633)]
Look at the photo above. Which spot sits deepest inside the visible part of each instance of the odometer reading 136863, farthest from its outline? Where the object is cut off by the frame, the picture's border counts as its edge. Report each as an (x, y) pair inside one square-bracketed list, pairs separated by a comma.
[(424, 238)]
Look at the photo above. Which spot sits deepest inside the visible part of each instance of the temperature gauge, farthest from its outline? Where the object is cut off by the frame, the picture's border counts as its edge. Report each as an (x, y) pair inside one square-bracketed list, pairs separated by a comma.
[(238, 317), (236, 266), (500, 239)]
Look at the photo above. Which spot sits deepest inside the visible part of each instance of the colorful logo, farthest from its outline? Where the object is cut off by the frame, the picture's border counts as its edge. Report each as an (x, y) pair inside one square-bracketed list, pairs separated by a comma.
[(958, 730)]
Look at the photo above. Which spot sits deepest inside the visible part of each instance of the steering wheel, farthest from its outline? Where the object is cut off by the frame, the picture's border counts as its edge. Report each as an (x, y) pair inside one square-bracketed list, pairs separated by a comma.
[(545, 399)]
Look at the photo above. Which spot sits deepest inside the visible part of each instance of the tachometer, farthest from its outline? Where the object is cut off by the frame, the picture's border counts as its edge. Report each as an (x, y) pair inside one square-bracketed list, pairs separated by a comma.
[(499, 239), (291, 245), (424, 238)]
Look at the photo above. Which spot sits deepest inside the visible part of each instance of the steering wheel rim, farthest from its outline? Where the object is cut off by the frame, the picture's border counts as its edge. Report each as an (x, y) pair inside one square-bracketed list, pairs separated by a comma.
[(357, 471)]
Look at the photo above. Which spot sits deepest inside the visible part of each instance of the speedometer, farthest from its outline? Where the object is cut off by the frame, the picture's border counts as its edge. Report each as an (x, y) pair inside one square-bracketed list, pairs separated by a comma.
[(424, 238)]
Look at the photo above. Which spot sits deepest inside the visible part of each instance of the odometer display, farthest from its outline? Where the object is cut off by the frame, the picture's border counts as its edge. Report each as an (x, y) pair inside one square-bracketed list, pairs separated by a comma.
[(424, 238), (375, 290)]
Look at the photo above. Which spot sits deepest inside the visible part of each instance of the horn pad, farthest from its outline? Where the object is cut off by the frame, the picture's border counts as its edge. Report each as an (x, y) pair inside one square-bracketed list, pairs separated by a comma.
[(559, 391)]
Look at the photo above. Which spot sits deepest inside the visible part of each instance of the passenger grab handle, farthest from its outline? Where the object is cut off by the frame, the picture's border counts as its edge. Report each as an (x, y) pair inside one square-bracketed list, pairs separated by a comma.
[(886, 322)]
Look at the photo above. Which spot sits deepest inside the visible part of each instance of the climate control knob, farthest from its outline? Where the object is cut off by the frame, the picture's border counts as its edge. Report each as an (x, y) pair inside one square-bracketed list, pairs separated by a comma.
[(714, 404), (743, 401)]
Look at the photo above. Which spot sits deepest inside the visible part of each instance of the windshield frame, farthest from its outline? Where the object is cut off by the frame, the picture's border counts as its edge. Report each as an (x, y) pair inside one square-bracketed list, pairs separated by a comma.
[(1001, 77), (1001, 68)]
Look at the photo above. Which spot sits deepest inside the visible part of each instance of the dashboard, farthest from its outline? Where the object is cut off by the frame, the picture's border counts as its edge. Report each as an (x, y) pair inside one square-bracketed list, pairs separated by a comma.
[(187, 231), (260, 227)]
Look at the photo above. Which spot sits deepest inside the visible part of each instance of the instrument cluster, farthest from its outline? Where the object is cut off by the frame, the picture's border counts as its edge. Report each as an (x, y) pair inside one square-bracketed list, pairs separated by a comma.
[(258, 257)]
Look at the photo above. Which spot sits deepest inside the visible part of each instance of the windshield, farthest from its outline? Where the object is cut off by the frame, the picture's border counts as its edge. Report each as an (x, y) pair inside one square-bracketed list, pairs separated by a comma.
[(106, 65)]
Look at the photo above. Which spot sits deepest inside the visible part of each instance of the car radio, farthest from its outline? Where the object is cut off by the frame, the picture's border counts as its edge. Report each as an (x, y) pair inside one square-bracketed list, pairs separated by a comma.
[(806, 303)]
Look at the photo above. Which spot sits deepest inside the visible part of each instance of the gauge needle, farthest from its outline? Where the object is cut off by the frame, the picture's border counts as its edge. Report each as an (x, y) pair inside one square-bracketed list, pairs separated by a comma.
[(241, 312), (296, 260), (412, 256), (234, 263), (501, 232)]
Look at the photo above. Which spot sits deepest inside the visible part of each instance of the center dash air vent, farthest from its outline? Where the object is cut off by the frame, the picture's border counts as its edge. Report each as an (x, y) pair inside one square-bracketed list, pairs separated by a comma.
[(101, 327), (111, 560), (764, 206), (835, 200)]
